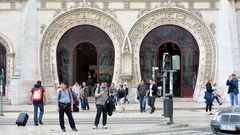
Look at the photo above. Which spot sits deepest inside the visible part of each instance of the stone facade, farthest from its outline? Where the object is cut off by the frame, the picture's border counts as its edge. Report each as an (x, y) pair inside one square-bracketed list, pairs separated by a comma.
[(31, 29)]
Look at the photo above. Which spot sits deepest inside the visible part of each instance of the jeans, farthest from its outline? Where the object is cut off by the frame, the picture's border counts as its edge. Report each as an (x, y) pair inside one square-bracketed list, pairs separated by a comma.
[(233, 98), (64, 108), (37, 105), (84, 103), (100, 110), (142, 101), (152, 102)]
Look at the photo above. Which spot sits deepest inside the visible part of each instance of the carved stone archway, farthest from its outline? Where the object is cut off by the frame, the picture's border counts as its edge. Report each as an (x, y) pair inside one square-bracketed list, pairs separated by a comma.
[(10, 61), (189, 21), (68, 20)]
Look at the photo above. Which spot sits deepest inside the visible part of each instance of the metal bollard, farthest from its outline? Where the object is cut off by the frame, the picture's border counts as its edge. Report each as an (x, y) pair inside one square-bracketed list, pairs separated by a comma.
[(168, 107)]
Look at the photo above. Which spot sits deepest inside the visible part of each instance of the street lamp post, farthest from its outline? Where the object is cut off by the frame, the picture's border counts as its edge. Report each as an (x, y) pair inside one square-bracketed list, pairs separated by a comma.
[(1, 92)]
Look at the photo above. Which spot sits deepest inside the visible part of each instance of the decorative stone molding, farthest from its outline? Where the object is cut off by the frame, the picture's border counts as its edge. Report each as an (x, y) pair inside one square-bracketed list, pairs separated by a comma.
[(68, 20), (57, 12), (213, 28), (42, 28), (168, 4), (189, 21)]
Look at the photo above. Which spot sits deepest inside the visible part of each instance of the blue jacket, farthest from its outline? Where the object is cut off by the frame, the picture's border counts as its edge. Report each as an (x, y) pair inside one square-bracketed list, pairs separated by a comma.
[(233, 86), (208, 97)]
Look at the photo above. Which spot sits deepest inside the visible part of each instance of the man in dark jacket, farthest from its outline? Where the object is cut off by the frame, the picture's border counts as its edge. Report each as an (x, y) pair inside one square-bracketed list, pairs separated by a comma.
[(232, 82), (142, 93), (152, 95)]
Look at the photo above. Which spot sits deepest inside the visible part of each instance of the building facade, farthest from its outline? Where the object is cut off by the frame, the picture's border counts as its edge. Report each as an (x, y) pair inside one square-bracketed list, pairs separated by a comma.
[(122, 41)]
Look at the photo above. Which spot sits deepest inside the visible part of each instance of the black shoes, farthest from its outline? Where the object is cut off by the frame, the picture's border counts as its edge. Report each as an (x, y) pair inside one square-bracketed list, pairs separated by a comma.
[(40, 122), (74, 129), (64, 130), (35, 124), (151, 112)]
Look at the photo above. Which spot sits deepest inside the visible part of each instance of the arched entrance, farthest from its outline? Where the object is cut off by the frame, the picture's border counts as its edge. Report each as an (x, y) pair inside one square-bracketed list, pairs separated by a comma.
[(3, 64), (80, 54), (168, 14), (61, 25), (170, 47)]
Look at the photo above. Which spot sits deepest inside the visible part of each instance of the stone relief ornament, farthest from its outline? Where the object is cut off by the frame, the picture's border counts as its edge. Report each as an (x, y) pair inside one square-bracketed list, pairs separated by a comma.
[(213, 28), (42, 28), (161, 5)]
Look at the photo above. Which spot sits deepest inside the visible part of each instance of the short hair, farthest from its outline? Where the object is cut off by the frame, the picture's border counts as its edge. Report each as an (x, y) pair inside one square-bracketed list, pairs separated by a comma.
[(63, 82)]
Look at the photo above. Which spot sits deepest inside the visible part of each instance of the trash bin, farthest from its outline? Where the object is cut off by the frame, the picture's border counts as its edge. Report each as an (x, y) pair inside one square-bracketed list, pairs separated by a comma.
[(168, 105)]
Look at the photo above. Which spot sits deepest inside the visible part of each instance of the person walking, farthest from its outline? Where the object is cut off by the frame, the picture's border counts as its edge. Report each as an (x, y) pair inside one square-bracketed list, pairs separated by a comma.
[(126, 91), (152, 95), (121, 97), (216, 94), (142, 92), (85, 96), (113, 93), (232, 82), (64, 102), (209, 97), (101, 95), (75, 100), (38, 99)]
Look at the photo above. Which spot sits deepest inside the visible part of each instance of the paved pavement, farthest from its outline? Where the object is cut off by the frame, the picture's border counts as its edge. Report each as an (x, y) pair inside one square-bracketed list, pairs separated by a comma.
[(189, 119)]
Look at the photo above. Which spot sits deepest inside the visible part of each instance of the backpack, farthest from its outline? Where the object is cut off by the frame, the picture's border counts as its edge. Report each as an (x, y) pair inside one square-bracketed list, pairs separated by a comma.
[(37, 94)]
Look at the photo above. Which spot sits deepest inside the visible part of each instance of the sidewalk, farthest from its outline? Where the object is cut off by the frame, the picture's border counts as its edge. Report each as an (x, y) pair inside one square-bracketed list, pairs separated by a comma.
[(189, 119), (178, 104)]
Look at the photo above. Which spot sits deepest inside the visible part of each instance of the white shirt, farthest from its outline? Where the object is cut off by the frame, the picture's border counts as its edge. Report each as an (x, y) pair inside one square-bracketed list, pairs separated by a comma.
[(150, 94)]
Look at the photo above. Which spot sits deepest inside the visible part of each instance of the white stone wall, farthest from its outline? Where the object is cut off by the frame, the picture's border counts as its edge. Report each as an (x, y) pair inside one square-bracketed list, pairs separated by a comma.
[(26, 37)]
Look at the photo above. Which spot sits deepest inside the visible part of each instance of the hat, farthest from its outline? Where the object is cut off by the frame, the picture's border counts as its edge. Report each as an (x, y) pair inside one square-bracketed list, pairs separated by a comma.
[(39, 82)]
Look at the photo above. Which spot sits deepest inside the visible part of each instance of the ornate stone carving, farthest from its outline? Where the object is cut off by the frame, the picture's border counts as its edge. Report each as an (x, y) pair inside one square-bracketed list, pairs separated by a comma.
[(42, 28), (213, 28), (66, 21), (56, 13), (183, 18), (168, 4)]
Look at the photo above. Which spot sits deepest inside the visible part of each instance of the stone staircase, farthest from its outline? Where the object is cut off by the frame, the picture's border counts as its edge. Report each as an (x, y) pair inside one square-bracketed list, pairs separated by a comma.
[(5, 101)]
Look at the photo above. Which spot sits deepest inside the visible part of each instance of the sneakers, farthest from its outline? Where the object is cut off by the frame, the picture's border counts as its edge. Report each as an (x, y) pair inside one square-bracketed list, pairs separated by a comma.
[(74, 129), (95, 127), (104, 127), (35, 124), (63, 130), (40, 122)]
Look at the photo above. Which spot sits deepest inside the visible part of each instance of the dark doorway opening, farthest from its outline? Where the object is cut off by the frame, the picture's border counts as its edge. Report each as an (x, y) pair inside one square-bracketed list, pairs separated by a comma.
[(169, 58), (83, 51), (86, 62), (3, 63), (161, 48)]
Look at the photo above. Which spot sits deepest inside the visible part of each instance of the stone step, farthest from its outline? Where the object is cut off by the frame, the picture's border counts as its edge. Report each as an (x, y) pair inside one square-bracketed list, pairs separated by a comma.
[(5, 101)]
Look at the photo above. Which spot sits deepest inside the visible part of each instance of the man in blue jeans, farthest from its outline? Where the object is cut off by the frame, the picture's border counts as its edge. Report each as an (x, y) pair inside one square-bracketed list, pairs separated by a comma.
[(101, 94), (38, 99), (142, 93), (232, 82)]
